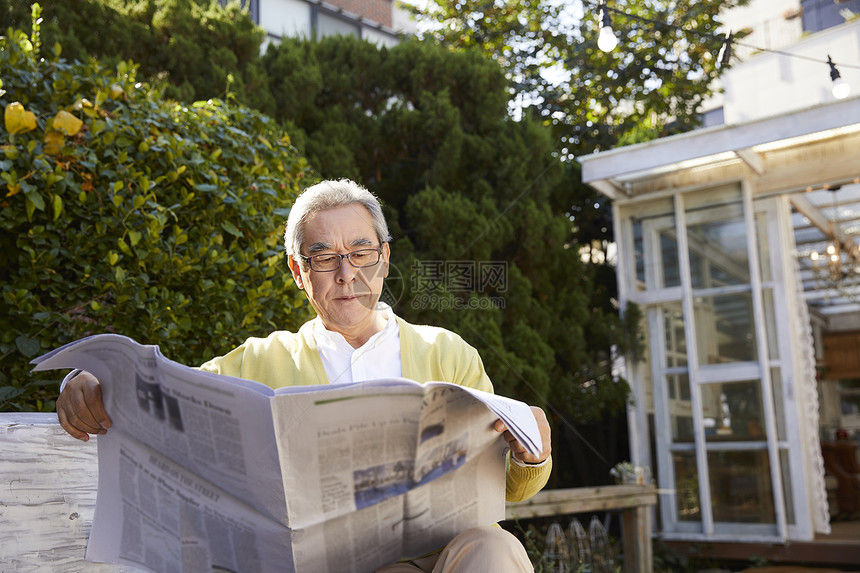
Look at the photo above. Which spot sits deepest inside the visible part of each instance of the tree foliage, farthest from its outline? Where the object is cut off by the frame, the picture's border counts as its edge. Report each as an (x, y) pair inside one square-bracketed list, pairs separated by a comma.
[(127, 213), (195, 49), (660, 73), (468, 190)]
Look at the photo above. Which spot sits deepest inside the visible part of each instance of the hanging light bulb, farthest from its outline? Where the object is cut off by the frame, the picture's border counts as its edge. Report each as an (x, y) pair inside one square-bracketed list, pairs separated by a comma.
[(726, 50), (836, 268), (606, 41), (841, 89)]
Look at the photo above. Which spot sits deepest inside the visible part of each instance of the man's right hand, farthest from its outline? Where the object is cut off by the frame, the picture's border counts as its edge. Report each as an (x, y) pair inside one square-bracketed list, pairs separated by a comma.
[(80, 408)]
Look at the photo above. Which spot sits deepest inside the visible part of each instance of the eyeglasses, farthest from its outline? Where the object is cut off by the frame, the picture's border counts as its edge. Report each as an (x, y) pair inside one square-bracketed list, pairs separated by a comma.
[(328, 262)]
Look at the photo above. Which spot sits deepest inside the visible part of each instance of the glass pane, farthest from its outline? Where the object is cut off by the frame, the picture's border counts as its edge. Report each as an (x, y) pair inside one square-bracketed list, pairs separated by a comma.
[(732, 411), (786, 486), (332, 26), (718, 248), (655, 467), (724, 328), (770, 323), (676, 342), (669, 258), (778, 402), (638, 253), (849, 404), (655, 245), (687, 486), (680, 408), (645, 372), (763, 247), (849, 384), (741, 489), (849, 397)]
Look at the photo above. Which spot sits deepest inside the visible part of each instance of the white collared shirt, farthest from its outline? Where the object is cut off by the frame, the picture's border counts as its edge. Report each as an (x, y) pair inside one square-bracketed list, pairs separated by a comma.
[(377, 358)]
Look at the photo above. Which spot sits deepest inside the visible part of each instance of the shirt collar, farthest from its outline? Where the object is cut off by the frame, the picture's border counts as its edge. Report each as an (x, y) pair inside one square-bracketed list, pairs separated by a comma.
[(335, 341)]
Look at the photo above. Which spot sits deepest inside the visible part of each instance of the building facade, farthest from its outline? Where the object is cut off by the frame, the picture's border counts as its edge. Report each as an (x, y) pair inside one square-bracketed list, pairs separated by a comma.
[(716, 231), (379, 21)]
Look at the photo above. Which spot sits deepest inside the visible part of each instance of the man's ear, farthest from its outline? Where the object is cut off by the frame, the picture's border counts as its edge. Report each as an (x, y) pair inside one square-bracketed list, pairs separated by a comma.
[(386, 257), (295, 268)]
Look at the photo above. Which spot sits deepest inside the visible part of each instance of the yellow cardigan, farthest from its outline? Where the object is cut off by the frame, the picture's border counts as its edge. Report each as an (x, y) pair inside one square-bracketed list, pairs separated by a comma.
[(427, 353)]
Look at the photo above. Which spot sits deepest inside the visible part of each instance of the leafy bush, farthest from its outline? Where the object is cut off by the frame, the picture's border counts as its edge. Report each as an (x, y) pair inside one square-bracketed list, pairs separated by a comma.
[(126, 213), (197, 49)]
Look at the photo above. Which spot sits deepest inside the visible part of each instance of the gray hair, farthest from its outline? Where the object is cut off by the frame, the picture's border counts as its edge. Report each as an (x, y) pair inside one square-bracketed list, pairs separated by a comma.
[(328, 195)]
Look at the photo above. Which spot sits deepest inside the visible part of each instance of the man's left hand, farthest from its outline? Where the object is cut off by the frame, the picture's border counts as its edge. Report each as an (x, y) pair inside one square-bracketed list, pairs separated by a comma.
[(518, 451)]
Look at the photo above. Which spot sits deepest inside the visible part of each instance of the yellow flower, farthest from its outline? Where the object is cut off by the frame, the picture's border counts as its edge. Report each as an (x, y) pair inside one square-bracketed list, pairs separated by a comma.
[(53, 142), (19, 120), (67, 123)]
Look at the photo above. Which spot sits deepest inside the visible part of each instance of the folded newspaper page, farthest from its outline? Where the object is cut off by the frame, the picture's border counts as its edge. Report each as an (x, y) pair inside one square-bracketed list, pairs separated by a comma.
[(207, 472)]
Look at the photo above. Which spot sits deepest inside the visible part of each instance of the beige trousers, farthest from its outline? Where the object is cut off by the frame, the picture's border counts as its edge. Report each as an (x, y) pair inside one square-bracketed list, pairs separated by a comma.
[(480, 549)]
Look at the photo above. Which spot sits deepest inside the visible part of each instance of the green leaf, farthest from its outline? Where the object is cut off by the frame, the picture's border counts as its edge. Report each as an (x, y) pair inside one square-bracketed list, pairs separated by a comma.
[(57, 203), (124, 247), (29, 347), (231, 228), (134, 237), (9, 392), (36, 199)]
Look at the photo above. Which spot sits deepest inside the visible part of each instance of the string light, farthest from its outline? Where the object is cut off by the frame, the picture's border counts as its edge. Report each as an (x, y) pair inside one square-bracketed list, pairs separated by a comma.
[(726, 51), (606, 40), (841, 89)]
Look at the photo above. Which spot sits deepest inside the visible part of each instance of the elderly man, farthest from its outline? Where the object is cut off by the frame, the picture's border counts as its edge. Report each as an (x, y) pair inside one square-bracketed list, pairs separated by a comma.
[(337, 245)]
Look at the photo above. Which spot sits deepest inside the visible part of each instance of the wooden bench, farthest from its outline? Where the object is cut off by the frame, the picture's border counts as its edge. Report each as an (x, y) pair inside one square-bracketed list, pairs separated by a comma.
[(47, 496), (48, 493)]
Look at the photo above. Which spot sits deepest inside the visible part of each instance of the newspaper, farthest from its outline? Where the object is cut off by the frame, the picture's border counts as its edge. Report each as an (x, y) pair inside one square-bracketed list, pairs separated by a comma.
[(207, 472)]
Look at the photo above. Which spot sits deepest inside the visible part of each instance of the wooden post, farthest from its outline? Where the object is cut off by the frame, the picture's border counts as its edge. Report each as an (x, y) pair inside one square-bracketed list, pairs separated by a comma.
[(636, 530)]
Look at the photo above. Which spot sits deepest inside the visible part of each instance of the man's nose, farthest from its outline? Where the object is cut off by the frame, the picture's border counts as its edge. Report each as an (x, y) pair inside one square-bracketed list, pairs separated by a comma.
[(345, 272)]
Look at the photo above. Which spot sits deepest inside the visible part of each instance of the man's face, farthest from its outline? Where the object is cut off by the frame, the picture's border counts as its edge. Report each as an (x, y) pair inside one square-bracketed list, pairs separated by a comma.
[(345, 299)]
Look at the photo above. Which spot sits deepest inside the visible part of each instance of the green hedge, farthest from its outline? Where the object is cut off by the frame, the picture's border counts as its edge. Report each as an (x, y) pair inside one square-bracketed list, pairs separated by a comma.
[(153, 219), (197, 49)]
